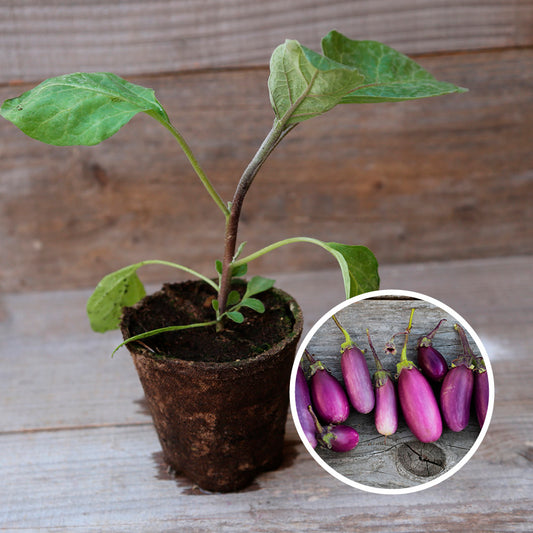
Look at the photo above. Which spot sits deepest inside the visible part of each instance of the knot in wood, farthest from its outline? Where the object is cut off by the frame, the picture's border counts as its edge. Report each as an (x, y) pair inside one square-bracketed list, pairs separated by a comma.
[(422, 459)]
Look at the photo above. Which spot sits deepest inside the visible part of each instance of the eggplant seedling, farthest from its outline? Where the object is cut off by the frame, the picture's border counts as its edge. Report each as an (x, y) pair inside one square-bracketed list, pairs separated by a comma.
[(386, 415), (418, 403), (329, 398), (458, 386), (430, 360), (356, 374), (338, 438), (87, 108), (303, 402)]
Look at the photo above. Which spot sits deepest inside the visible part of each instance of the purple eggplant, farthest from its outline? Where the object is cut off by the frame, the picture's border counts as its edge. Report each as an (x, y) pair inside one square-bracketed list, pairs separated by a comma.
[(338, 438), (431, 362), (481, 390), (418, 403), (327, 394), (303, 402), (356, 375), (458, 386), (386, 415)]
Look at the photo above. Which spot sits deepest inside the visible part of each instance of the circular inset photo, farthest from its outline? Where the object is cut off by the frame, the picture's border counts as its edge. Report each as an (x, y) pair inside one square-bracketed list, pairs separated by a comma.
[(392, 392)]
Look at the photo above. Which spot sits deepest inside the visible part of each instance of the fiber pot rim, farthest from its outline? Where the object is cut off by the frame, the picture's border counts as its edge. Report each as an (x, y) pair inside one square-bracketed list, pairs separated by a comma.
[(218, 368)]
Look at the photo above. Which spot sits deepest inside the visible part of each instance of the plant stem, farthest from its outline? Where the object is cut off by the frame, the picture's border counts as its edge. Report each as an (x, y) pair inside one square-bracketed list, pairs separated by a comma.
[(403, 357), (181, 267), (348, 343), (276, 134), (195, 165)]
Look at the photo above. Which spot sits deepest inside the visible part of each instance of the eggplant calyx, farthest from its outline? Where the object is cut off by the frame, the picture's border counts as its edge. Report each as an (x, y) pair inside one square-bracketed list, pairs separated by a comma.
[(404, 364), (316, 366), (380, 378)]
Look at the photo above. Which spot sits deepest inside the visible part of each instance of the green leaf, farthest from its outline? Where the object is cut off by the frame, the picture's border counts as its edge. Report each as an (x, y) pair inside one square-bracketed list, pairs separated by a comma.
[(119, 289), (359, 268), (236, 316), (304, 84), (218, 266), (80, 108), (239, 270), (214, 303), (254, 303), (258, 284), (233, 298), (389, 76)]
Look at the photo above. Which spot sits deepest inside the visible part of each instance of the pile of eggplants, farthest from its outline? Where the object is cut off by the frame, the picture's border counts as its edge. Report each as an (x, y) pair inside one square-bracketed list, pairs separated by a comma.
[(430, 394)]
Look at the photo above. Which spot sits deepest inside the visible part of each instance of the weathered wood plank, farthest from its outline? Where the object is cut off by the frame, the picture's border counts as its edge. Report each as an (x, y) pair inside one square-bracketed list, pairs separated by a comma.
[(62, 475), (437, 179), (41, 39), (39, 365)]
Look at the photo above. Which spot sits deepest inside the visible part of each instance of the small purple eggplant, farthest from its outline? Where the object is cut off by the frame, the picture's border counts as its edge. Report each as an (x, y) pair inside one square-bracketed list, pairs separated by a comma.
[(457, 387), (481, 390), (356, 375), (419, 406), (303, 402), (386, 415), (338, 438), (431, 362), (329, 398)]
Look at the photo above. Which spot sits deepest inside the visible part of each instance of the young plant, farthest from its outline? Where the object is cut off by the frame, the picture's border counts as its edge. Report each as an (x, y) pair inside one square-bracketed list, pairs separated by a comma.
[(356, 374), (458, 386), (430, 360), (87, 108), (386, 415), (419, 406), (329, 398)]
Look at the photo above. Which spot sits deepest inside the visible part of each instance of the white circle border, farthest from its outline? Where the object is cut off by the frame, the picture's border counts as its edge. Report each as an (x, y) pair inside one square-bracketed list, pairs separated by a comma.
[(374, 294)]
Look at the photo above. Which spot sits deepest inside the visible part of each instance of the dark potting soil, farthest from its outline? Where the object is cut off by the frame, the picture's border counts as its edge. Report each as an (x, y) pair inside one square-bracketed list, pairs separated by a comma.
[(190, 302)]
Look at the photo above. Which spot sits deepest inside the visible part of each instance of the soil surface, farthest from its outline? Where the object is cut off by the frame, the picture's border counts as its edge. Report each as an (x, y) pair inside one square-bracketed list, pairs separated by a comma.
[(190, 302)]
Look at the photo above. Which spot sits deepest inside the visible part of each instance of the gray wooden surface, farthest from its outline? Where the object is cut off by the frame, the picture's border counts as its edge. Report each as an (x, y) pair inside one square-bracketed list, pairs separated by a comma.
[(378, 462), (79, 453)]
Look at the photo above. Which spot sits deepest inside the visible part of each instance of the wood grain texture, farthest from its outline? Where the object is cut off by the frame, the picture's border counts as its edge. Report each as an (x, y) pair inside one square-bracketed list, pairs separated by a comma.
[(80, 461), (42, 39), (441, 178)]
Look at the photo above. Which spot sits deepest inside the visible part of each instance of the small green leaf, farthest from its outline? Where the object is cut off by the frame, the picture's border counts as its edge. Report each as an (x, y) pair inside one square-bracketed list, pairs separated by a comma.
[(218, 266), (239, 250), (80, 108), (233, 298), (359, 268), (303, 84), (389, 76), (119, 289), (239, 270), (236, 316), (258, 284), (214, 303), (254, 303)]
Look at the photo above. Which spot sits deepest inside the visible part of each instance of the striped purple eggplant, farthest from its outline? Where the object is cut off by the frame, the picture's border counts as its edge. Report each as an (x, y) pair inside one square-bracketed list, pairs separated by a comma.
[(328, 396), (418, 403), (386, 414), (481, 390), (303, 402), (356, 375), (430, 360), (458, 386), (338, 438)]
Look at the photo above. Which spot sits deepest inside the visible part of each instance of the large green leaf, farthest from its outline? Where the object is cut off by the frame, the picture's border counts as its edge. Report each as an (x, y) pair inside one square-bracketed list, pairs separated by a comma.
[(119, 289), (80, 109), (304, 84), (389, 76), (359, 268)]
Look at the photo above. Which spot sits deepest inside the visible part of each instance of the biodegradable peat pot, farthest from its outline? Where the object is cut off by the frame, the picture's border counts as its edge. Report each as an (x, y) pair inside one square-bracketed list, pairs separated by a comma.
[(219, 423)]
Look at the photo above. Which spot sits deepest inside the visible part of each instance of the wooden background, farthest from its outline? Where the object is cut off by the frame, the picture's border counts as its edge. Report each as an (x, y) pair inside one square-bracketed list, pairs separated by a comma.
[(440, 189), (438, 179)]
